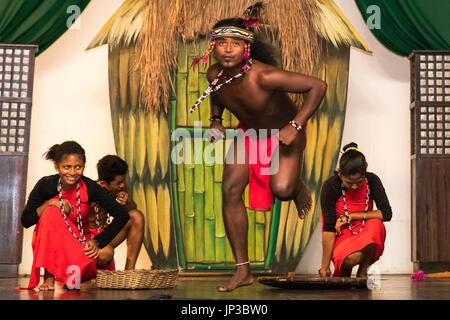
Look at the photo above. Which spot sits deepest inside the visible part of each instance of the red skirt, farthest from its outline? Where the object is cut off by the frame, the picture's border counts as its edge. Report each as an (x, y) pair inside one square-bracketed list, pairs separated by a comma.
[(260, 194), (56, 249), (373, 232)]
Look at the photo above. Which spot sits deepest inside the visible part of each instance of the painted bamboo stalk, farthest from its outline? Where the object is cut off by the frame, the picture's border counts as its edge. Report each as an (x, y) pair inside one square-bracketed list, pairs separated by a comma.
[(140, 143), (139, 199), (120, 145), (181, 85), (268, 218), (152, 215), (220, 234), (124, 68), (259, 235), (251, 235), (151, 140), (130, 143), (189, 232), (199, 225), (181, 188), (192, 84), (182, 113), (164, 144), (163, 203), (210, 247)]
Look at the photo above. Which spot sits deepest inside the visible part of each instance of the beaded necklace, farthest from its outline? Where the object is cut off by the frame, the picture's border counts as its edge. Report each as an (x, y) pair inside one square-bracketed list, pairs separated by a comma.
[(97, 219), (78, 213), (365, 210), (216, 87)]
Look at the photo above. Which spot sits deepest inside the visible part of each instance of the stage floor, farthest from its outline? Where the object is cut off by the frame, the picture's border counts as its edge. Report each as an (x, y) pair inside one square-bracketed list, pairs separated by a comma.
[(388, 287)]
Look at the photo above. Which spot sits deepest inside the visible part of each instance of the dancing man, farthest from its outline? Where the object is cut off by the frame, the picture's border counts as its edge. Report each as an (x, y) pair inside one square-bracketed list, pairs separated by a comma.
[(255, 92)]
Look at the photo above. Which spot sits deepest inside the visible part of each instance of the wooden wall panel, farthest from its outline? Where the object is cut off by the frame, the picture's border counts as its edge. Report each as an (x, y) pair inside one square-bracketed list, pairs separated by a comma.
[(13, 173), (431, 203)]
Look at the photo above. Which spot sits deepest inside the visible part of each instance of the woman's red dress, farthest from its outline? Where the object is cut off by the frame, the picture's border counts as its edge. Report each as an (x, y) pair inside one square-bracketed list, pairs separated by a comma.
[(373, 231), (55, 248)]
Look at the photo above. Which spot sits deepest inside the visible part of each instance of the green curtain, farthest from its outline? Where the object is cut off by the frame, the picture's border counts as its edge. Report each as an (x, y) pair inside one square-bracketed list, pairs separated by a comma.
[(407, 25), (39, 22)]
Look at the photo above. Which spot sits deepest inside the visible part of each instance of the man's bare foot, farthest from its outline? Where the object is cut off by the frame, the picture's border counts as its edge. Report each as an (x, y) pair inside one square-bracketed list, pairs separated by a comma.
[(241, 278), (303, 201), (47, 285)]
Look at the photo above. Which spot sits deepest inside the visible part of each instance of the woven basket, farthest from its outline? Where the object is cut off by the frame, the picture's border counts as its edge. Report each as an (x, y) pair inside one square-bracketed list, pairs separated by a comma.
[(136, 279)]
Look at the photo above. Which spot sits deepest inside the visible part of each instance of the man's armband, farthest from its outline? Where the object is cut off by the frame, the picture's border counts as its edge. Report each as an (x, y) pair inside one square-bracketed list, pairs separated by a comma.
[(296, 125)]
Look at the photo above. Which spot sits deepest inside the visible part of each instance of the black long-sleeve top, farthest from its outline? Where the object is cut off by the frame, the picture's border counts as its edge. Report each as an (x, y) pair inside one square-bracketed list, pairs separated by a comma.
[(332, 191), (46, 188)]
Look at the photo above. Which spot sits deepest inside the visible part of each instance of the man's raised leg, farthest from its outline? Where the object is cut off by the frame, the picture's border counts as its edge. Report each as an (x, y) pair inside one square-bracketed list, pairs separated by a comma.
[(286, 183)]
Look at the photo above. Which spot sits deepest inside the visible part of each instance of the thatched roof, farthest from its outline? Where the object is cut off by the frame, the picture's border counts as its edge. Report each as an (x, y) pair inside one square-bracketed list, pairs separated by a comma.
[(124, 26), (157, 25), (334, 27)]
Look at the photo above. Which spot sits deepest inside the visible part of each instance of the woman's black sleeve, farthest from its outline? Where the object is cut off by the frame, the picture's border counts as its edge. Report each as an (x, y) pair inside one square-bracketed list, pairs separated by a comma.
[(379, 196), (99, 195), (328, 198), (44, 190)]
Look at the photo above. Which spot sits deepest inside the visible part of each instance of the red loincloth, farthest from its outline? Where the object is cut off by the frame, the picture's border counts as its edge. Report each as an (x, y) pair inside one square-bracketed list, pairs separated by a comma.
[(373, 231), (260, 194), (55, 248)]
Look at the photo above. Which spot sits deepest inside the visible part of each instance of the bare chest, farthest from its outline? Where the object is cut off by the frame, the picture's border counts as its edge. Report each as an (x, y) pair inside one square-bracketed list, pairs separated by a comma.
[(243, 97)]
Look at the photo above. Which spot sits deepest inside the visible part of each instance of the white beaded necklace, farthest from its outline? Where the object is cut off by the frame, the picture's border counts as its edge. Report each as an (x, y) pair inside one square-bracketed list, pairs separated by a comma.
[(365, 210), (78, 212), (216, 87)]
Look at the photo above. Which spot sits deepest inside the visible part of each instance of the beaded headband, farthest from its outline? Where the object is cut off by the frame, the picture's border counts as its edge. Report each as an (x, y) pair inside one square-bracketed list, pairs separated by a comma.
[(234, 32)]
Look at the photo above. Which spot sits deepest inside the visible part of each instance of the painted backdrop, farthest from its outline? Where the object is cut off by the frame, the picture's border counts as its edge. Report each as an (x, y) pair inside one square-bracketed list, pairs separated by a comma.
[(182, 202)]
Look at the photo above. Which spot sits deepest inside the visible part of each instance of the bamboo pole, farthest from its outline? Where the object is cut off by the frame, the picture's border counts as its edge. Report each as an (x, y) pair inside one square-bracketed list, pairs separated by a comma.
[(189, 232), (199, 226), (259, 235), (251, 236), (210, 248), (220, 233), (182, 107), (152, 214)]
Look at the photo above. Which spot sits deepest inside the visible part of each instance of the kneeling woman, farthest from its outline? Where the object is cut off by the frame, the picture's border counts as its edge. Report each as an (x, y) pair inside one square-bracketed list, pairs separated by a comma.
[(353, 232), (59, 206)]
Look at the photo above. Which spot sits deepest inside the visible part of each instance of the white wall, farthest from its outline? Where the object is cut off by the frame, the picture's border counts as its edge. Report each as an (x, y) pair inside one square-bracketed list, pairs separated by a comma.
[(377, 119), (71, 101)]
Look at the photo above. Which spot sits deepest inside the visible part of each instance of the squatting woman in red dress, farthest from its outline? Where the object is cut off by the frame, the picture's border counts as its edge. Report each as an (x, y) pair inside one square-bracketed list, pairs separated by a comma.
[(58, 205), (353, 232)]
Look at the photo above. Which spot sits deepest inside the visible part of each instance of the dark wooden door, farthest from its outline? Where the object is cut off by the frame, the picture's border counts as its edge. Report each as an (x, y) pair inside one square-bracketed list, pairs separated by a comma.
[(13, 171), (16, 84), (430, 160)]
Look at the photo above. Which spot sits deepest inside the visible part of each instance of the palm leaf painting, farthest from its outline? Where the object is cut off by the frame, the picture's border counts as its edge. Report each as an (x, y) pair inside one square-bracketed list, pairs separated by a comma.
[(182, 202)]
